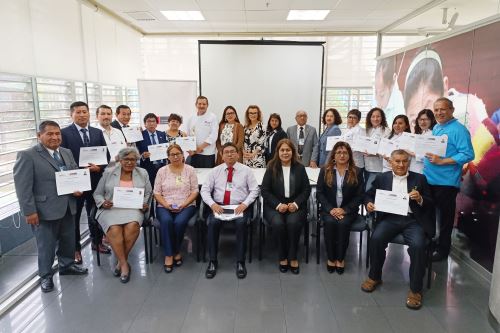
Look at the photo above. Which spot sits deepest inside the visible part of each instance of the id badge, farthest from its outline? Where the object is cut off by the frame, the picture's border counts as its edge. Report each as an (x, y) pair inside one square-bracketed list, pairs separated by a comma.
[(301, 142), (229, 186), (178, 180)]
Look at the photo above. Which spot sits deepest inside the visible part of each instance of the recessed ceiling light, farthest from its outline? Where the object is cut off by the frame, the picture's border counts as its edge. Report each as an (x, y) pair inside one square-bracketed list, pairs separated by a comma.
[(307, 15), (183, 15)]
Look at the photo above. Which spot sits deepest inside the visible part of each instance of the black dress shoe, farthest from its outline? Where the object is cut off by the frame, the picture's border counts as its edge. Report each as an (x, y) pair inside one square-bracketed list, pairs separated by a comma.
[(74, 270), (295, 270), (283, 268), (241, 270), (330, 269), (117, 272), (438, 256), (168, 268), (178, 262), (340, 270), (47, 285), (125, 278), (211, 269)]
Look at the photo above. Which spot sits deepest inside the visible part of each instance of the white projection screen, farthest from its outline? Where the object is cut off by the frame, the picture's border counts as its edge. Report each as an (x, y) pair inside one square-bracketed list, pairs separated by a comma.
[(278, 76)]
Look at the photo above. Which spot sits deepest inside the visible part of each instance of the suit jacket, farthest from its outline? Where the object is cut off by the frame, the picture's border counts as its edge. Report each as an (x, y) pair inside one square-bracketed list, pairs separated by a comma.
[(310, 141), (35, 183), (352, 194), (142, 146), (72, 140), (111, 179), (424, 214), (273, 189), (238, 139), (274, 142), (320, 153), (116, 124)]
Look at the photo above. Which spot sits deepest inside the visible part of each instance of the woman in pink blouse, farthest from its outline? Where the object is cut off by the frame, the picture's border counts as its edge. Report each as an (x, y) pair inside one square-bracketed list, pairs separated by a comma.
[(175, 191)]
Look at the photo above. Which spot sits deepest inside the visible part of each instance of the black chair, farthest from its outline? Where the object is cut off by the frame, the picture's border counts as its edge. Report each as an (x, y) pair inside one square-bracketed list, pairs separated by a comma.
[(254, 218)]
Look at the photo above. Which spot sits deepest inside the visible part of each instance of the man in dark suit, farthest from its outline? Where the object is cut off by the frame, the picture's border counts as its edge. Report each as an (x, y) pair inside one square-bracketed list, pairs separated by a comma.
[(122, 115), (415, 227), (51, 216), (151, 137), (75, 136), (304, 137)]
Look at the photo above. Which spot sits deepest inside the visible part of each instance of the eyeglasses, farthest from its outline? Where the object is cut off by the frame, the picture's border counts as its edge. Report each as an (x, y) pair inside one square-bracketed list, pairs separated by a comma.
[(129, 160), (175, 155)]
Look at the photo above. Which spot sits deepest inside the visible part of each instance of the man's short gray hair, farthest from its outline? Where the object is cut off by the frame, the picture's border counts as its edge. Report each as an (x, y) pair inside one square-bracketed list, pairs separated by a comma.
[(300, 111), (127, 151), (400, 152)]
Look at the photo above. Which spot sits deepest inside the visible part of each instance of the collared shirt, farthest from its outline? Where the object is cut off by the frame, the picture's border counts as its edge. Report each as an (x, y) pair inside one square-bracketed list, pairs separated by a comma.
[(114, 135), (244, 187), (121, 124), (400, 185), (78, 127), (286, 180), (298, 131), (386, 166), (206, 129), (51, 151), (340, 183)]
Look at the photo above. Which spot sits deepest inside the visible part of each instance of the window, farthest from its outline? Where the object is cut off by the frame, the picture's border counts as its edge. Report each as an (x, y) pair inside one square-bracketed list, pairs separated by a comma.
[(132, 100), (345, 99), (54, 99)]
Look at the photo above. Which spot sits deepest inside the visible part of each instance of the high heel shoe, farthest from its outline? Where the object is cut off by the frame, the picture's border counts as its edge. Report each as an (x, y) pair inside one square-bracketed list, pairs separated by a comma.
[(340, 270), (283, 268), (117, 271), (178, 262), (126, 278), (168, 268), (295, 270), (330, 269)]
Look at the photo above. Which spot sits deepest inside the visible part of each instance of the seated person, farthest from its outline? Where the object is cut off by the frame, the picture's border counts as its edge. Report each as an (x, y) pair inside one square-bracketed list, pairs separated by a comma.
[(414, 227), (285, 189), (340, 191), (230, 183), (175, 191), (122, 225)]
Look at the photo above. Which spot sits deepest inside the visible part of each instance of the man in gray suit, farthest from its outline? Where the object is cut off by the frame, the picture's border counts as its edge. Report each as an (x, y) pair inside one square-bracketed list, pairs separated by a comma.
[(51, 216), (304, 137)]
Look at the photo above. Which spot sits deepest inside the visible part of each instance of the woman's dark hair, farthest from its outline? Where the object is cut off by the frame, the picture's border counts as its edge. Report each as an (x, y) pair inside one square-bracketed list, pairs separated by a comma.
[(355, 112), (407, 123), (383, 123), (174, 116), (229, 107), (275, 163), (337, 119), (429, 115), (352, 176), (273, 116)]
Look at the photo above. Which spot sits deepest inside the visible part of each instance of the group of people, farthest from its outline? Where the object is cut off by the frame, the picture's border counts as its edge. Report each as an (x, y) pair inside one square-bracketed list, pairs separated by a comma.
[(347, 179)]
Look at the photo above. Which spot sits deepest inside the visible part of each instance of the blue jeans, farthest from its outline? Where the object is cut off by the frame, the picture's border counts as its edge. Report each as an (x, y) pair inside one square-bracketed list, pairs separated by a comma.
[(172, 228)]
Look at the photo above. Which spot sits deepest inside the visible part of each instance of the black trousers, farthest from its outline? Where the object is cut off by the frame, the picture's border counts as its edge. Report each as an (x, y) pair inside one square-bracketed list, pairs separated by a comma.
[(202, 161), (213, 235), (337, 234), (287, 227), (445, 202), (95, 232), (414, 237)]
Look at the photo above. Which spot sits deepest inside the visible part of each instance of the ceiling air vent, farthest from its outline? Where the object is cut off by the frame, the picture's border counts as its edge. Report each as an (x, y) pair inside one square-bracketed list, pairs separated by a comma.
[(141, 16)]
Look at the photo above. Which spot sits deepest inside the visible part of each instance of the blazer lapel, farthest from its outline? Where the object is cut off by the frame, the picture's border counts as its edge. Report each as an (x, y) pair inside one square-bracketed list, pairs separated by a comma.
[(292, 181), (76, 135), (45, 154)]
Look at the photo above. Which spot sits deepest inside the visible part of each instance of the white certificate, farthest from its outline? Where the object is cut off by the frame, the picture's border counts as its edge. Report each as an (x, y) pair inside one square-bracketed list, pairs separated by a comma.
[(407, 142), (392, 202), (186, 143), (132, 134), (332, 140), (430, 144), (115, 147), (228, 213), (386, 147), (366, 144), (158, 152), (95, 155), (73, 181), (128, 197)]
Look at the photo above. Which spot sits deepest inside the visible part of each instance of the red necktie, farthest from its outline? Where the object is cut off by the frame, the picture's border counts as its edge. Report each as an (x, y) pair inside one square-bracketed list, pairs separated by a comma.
[(227, 194)]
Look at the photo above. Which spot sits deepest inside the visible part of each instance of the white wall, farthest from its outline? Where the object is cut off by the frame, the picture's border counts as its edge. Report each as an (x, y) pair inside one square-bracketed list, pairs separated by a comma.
[(68, 40)]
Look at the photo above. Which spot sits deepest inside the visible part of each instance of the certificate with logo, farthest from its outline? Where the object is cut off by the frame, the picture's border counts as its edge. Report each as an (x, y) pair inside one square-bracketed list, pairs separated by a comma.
[(386, 147), (392, 202), (128, 197), (366, 144), (93, 155), (332, 140), (115, 147), (132, 134), (186, 143), (158, 152), (430, 144), (70, 181)]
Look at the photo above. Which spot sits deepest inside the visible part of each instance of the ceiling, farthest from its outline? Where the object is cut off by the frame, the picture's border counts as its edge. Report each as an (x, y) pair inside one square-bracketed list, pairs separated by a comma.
[(269, 16)]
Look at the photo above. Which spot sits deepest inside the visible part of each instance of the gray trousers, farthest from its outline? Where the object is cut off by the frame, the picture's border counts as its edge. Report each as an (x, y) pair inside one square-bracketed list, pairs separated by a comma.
[(55, 236)]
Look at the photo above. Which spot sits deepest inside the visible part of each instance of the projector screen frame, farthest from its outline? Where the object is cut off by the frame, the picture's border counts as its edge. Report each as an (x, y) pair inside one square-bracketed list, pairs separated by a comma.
[(272, 42)]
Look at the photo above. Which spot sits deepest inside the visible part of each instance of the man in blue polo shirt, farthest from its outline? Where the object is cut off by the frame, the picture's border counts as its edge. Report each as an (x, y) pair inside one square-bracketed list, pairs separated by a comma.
[(443, 173)]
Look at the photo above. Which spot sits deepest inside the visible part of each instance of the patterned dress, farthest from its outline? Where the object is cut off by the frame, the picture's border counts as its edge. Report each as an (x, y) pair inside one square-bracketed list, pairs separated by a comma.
[(255, 141)]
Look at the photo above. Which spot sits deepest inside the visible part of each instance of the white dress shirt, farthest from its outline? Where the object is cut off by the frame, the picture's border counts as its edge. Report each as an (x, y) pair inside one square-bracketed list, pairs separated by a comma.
[(206, 129), (80, 132)]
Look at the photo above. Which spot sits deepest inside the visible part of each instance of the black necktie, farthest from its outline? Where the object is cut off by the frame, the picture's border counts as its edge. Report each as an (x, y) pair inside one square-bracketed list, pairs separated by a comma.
[(86, 140), (59, 160), (301, 140)]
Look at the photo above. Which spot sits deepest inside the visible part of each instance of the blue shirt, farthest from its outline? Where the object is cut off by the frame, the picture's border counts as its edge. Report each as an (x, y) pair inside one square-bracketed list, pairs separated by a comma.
[(459, 149)]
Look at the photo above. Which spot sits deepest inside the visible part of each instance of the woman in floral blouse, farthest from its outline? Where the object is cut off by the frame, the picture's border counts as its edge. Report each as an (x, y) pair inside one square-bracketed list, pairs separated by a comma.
[(255, 138), (230, 130)]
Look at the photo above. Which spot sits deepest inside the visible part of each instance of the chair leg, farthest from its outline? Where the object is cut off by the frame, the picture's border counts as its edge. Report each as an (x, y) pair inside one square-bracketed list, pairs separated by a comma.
[(360, 242), (197, 232), (306, 241), (150, 244), (156, 237), (260, 239), (367, 248), (146, 251), (98, 256), (250, 243), (429, 266)]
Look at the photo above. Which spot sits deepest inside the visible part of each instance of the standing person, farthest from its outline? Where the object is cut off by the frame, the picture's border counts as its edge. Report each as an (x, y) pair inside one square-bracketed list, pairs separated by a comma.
[(203, 126), (274, 135), (151, 136), (175, 191), (230, 130), (377, 128), (286, 190), (111, 135), (331, 121), (353, 130), (123, 114), (51, 216), (230, 183), (304, 137), (173, 132), (443, 172), (400, 124), (340, 191), (424, 124), (77, 135), (255, 138)]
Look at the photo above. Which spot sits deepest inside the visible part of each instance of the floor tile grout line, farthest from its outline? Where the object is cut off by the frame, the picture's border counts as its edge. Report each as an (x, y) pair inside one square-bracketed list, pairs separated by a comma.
[(283, 303), (191, 300)]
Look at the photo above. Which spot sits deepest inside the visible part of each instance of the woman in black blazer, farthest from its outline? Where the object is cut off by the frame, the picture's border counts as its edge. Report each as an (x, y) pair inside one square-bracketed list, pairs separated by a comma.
[(274, 134), (285, 189), (340, 192)]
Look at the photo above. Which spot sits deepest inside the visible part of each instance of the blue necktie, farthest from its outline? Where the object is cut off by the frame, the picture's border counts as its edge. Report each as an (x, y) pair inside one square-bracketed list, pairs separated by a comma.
[(59, 161), (86, 140)]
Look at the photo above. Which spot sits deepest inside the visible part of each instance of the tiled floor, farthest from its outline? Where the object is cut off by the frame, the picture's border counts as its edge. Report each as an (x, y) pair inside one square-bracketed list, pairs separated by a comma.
[(266, 301)]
